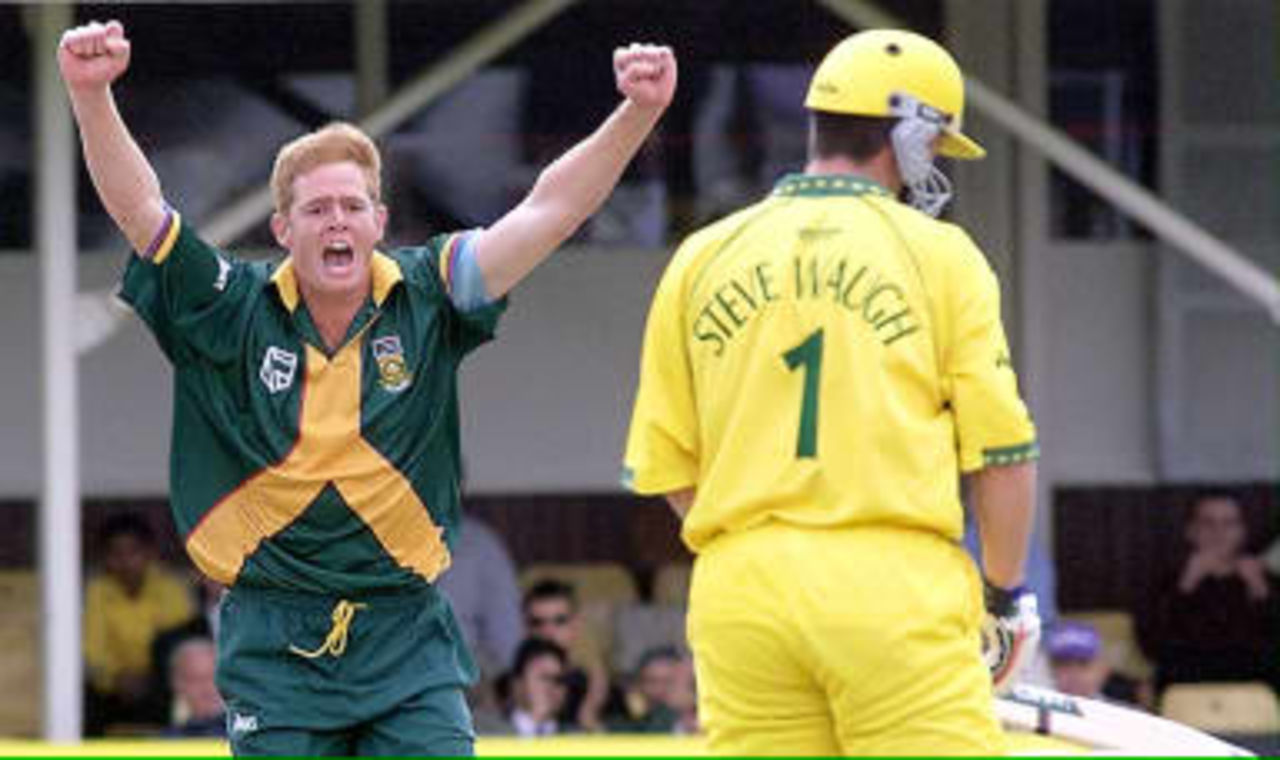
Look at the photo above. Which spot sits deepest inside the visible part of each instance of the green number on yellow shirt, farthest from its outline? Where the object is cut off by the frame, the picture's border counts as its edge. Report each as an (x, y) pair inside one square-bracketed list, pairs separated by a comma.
[(808, 355)]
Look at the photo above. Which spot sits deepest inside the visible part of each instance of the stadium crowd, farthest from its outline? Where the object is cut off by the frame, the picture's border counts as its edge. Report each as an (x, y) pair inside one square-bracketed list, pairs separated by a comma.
[(553, 662)]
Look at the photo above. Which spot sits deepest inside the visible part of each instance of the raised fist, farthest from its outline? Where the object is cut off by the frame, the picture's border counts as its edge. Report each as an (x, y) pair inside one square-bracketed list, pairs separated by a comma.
[(646, 74), (93, 55)]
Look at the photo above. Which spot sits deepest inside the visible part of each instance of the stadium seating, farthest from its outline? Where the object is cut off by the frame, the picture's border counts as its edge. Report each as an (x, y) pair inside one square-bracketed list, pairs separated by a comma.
[(1225, 708), (641, 627), (593, 581), (20, 679)]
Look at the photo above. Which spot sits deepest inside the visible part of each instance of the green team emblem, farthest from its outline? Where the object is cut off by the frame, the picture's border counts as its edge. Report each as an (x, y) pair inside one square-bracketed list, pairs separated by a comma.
[(393, 371)]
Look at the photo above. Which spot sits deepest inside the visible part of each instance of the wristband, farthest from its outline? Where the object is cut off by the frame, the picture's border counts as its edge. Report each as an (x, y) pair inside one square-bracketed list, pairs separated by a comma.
[(1000, 601)]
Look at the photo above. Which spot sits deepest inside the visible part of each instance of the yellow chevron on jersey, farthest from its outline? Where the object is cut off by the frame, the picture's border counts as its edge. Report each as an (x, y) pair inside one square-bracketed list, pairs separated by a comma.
[(825, 357)]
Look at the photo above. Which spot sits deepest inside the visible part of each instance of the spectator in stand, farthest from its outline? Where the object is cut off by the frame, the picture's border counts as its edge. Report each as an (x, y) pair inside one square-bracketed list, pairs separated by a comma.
[(551, 613), (197, 709), (126, 605), (663, 698), (1216, 619), (537, 688), (1078, 664)]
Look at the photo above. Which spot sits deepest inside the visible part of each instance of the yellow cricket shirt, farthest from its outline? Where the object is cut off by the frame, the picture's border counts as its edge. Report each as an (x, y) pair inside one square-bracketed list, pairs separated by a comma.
[(826, 357)]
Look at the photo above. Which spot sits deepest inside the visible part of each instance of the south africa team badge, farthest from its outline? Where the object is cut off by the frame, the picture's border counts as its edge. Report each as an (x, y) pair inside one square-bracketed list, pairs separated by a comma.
[(393, 370)]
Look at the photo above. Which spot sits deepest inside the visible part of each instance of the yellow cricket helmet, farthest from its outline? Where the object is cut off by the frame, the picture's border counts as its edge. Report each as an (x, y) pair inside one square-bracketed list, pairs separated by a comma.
[(862, 74)]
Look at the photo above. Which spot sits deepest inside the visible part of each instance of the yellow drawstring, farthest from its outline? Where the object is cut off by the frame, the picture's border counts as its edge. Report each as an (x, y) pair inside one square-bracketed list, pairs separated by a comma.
[(336, 642)]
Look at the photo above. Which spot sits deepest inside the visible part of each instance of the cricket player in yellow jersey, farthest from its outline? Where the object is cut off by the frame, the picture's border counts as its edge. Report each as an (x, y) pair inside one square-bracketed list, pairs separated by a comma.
[(818, 370)]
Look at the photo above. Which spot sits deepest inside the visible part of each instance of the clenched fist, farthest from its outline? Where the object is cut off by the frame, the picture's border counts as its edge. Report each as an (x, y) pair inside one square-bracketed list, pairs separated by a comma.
[(94, 55), (646, 74)]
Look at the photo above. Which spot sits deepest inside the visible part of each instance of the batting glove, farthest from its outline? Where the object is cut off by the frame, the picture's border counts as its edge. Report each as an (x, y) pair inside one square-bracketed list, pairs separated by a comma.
[(1010, 633)]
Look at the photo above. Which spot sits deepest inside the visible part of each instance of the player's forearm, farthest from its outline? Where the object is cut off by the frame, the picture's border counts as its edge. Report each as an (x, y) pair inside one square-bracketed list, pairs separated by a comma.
[(124, 179), (566, 194), (1004, 504), (575, 185)]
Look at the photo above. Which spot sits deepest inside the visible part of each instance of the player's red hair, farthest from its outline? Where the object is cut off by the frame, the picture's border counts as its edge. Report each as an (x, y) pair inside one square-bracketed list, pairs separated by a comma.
[(331, 144)]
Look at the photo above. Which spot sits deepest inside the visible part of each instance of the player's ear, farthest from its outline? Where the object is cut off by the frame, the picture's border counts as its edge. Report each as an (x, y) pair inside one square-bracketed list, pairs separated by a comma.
[(382, 215), (280, 228)]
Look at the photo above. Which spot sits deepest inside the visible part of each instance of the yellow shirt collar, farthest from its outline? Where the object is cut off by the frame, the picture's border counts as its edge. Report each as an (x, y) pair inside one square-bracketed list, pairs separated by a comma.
[(385, 270)]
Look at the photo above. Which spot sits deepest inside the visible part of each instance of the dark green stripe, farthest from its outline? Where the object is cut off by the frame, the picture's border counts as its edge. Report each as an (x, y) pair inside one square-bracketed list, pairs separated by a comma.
[(1023, 452), (825, 185)]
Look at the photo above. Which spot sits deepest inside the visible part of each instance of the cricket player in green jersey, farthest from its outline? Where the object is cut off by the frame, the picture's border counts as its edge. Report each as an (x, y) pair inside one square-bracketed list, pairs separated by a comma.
[(818, 370), (315, 461)]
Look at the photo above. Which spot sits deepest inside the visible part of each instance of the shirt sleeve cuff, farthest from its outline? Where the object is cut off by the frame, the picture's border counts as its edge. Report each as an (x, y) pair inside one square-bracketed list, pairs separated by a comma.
[(1007, 455), (461, 273), (162, 244)]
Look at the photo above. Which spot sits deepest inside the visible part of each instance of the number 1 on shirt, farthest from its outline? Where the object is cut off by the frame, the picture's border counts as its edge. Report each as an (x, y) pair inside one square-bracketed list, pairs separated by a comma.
[(808, 356)]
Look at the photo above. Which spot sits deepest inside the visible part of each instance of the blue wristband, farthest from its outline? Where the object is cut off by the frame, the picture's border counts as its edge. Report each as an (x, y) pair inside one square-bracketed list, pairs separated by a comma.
[(1000, 602)]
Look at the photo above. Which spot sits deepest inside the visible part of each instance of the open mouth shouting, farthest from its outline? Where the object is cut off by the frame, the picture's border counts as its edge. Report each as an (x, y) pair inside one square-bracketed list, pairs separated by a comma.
[(338, 256)]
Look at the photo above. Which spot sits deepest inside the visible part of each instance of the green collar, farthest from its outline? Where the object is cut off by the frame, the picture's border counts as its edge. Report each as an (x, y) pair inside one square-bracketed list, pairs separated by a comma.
[(821, 185)]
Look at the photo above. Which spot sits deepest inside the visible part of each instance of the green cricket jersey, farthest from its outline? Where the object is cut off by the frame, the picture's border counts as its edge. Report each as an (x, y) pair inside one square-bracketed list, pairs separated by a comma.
[(294, 468)]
